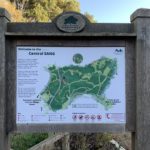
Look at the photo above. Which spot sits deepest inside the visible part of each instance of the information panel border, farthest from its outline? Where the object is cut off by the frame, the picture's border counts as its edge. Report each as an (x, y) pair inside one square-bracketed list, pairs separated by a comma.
[(55, 89), (130, 96)]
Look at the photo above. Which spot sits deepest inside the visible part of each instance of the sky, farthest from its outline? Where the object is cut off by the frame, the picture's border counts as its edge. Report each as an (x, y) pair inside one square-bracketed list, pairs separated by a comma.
[(112, 11)]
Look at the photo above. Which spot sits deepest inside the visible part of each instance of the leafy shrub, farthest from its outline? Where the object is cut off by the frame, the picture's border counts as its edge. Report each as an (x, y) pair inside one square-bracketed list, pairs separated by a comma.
[(25, 141)]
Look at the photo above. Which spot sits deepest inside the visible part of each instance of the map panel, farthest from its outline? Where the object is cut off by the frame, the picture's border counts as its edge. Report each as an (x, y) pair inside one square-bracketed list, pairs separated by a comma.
[(70, 85)]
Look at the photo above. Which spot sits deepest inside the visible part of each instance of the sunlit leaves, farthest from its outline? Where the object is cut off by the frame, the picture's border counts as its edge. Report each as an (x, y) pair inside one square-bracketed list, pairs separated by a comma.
[(16, 15)]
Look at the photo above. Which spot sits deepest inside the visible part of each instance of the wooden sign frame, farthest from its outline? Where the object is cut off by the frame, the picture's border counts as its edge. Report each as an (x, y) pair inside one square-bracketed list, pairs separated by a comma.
[(71, 43), (133, 36)]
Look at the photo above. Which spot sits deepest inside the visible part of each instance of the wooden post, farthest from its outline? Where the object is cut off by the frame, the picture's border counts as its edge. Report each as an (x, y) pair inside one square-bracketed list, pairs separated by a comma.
[(4, 18), (65, 142), (141, 25)]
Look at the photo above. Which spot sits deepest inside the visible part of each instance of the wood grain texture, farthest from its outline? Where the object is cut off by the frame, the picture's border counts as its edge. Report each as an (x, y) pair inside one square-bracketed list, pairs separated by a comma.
[(11, 85), (141, 23), (94, 35), (51, 28), (76, 128), (130, 85), (3, 134)]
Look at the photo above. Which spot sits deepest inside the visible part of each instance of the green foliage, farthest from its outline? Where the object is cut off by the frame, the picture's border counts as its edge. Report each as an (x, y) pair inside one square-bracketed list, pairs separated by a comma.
[(45, 10), (16, 15), (38, 13), (102, 139), (25, 141), (90, 17), (78, 141), (20, 4), (89, 141)]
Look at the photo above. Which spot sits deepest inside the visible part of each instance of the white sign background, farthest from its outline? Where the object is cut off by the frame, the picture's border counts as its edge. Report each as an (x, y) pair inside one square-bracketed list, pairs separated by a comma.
[(33, 77)]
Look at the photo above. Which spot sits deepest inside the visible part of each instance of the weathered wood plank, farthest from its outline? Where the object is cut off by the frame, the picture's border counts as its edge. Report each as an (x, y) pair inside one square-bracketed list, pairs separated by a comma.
[(130, 85), (41, 34), (48, 143), (141, 23), (95, 128), (51, 28), (11, 85), (4, 18), (46, 34)]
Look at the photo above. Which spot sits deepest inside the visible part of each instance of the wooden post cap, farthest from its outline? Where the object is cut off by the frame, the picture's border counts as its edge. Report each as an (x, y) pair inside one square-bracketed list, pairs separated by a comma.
[(140, 13), (5, 13)]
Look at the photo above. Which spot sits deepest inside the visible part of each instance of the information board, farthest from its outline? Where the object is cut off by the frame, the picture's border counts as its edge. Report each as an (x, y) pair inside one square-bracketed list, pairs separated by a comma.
[(73, 85)]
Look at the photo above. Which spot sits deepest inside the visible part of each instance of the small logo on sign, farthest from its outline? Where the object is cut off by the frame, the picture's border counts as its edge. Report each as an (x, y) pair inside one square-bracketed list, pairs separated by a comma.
[(74, 117), (87, 117), (80, 117), (93, 117), (118, 51), (108, 116), (70, 22), (99, 117)]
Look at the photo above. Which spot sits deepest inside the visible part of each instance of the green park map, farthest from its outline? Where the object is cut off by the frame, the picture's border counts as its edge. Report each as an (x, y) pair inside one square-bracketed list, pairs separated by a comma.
[(68, 82)]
